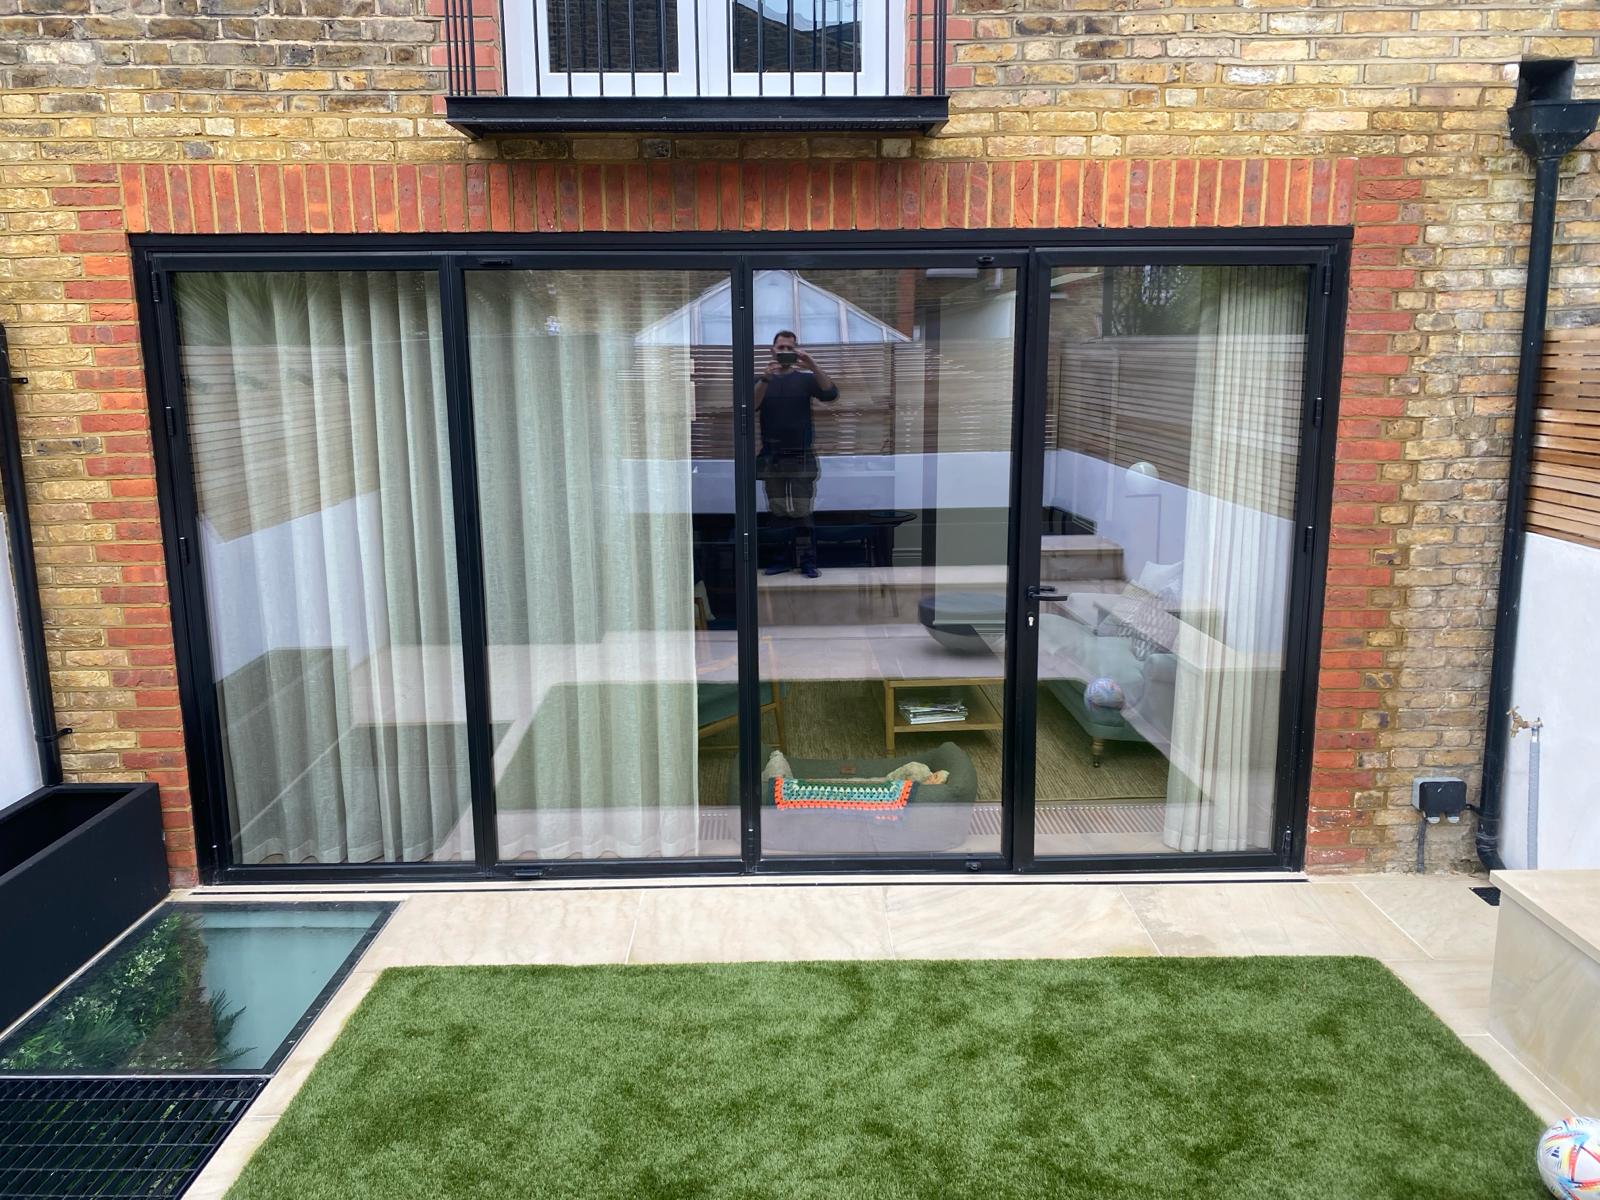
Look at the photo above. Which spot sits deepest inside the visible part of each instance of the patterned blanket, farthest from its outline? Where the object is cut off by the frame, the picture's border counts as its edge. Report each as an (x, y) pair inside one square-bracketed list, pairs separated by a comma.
[(882, 800)]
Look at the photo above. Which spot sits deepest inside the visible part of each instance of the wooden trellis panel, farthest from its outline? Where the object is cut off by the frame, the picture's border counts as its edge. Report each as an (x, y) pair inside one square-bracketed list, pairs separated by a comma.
[(1564, 490)]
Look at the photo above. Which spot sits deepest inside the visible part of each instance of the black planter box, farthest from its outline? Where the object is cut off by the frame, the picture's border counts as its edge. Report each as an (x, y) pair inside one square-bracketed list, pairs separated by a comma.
[(79, 863)]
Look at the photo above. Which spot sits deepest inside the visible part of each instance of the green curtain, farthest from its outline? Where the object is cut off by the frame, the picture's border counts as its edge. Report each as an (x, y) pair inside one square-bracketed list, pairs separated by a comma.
[(1238, 547), (316, 419), (584, 477)]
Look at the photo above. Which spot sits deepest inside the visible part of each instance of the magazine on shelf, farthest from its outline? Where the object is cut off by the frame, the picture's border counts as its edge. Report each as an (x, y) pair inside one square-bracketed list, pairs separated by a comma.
[(932, 712)]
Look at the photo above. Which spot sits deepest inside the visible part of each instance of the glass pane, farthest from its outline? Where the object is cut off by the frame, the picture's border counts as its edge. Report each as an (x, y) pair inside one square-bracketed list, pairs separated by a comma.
[(194, 988), (613, 35), (884, 467), (608, 563), (322, 472), (1172, 448), (810, 35)]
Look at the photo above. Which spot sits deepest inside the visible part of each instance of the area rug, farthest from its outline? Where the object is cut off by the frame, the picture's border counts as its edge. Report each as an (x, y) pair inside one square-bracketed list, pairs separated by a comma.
[(1112, 1079), (844, 719)]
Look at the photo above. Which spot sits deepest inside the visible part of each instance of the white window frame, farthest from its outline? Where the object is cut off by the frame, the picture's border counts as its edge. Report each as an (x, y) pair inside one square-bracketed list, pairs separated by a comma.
[(874, 17), (703, 67)]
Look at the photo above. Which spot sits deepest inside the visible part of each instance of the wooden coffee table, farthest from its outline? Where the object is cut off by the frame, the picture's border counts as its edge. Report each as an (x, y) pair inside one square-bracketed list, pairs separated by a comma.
[(981, 711)]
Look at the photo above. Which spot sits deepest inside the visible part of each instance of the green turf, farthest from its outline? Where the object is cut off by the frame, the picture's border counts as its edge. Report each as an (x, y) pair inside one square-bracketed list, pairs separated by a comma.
[(1106, 1078)]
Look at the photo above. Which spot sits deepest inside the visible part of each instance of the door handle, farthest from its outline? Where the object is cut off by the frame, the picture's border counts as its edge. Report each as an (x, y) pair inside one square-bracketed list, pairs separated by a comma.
[(1037, 591)]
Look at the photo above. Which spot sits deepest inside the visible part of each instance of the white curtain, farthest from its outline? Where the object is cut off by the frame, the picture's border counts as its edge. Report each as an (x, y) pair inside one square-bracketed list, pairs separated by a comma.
[(317, 423), (1237, 555), (584, 485)]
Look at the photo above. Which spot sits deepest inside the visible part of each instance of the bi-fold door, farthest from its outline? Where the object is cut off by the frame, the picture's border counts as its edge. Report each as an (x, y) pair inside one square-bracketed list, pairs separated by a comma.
[(545, 562)]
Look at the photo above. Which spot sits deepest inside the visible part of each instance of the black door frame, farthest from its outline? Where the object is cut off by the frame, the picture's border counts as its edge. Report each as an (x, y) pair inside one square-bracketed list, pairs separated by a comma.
[(1324, 250)]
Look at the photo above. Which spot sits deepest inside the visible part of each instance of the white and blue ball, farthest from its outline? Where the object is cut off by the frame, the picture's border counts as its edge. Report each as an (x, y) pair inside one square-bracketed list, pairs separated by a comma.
[(1104, 693), (1569, 1158)]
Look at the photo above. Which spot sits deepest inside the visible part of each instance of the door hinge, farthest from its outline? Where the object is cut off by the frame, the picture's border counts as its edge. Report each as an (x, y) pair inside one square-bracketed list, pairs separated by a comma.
[(1286, 844), (172, 421), (156, 296), (1327, 279), (1316, 413), (1306, 538), (183, 550)]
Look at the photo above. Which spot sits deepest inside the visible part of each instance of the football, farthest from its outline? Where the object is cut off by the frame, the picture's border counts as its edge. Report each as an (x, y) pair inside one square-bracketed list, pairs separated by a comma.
[(1569, 1158)]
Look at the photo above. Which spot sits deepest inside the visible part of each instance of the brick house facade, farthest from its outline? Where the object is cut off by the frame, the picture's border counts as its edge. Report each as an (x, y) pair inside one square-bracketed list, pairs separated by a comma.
[(121, 117)]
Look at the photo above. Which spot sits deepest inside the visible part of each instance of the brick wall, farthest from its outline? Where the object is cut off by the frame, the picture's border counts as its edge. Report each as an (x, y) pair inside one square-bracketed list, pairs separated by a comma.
[(319, 115)]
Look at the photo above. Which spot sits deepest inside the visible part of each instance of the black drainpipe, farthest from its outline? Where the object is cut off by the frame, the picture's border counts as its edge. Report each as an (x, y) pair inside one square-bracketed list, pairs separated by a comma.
[(1547, 123), (27, 579)]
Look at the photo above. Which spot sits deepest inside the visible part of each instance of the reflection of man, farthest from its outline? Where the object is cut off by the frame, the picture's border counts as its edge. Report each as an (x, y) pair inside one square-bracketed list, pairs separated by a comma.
[(787, 465)]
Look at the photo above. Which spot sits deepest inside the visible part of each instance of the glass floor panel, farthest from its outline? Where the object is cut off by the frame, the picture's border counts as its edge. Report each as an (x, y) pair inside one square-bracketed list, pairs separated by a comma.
[(198, 987)]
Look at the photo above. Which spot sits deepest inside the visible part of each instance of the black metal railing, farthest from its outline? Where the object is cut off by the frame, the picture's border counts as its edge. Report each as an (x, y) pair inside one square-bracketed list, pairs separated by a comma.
[(719, 49)]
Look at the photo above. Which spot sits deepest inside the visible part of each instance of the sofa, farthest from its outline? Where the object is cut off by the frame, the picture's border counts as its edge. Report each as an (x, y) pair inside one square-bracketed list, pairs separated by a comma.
[(1079, 642)]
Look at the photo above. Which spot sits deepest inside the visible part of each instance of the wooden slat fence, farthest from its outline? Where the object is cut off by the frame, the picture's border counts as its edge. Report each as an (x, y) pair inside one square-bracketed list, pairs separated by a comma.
[(1564, 490)]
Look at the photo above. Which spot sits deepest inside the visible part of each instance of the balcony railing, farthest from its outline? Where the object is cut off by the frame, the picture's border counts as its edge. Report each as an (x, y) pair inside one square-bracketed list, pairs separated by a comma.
[(572, 65)]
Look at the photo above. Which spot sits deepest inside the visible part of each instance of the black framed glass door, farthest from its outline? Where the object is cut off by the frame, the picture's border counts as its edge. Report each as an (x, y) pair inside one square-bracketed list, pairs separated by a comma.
[(601, 417), (562, 561), (1175, 444), (884, 466)]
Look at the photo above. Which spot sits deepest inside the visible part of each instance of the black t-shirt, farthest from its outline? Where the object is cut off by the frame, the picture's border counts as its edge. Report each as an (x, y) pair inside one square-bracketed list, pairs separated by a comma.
[(786, 410)]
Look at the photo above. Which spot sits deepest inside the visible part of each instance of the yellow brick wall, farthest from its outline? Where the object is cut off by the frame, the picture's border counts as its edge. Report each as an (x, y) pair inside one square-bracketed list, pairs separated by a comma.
[(85, 87)]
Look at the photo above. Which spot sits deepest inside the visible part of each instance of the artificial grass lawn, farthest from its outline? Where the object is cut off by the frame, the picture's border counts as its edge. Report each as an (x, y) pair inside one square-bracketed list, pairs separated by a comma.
[(1150, 1078)]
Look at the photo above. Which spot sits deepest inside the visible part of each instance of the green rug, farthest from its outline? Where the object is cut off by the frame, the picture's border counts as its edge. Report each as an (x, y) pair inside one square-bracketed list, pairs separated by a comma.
[(844, 719), (1100, 1078)]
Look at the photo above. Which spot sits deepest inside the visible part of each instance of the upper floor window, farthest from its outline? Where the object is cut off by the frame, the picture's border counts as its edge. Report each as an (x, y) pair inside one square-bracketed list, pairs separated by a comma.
[(706, 47)]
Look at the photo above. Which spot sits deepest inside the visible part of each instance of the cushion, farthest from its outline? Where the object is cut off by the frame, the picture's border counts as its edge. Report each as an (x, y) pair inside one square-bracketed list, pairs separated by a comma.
[(1157, 578), (777, 765), (1082, 607)]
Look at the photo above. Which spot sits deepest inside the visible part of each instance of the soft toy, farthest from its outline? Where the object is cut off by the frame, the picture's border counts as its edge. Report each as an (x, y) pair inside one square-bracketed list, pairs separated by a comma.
[(778, 768)]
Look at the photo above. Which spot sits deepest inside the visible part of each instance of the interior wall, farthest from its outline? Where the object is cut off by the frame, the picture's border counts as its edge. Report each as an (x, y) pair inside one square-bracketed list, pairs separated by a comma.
[(1554, 680)]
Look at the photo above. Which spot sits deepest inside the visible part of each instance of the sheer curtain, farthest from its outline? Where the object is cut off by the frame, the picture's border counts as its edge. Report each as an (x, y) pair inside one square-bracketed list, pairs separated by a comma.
[(321, 462), (584, 485), (1237, 556)]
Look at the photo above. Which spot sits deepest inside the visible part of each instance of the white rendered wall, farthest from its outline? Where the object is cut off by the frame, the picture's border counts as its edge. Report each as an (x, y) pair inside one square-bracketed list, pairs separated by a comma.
[(1557, 679), (19, 759)]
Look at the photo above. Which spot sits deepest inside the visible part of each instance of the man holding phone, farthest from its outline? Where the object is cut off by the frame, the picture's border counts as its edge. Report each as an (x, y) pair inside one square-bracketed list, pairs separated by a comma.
[(786, 464)]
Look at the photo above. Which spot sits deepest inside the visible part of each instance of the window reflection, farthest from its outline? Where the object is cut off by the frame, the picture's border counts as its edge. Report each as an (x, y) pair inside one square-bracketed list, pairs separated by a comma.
[(322, 469), (1172, 445)]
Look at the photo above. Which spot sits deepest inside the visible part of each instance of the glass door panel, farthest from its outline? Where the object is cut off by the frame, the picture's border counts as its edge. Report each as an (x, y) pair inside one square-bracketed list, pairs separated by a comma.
[(883, 467), (605, 483), (1174, 397), (315, 414)]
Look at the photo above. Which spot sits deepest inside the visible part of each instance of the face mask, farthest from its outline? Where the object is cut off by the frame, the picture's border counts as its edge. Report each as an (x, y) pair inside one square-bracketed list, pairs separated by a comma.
[(786, 358)]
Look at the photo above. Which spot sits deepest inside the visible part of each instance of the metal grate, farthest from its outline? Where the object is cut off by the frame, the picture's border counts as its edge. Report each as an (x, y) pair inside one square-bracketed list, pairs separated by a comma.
[(111, 1138), (1489, 895), (1076, 818)]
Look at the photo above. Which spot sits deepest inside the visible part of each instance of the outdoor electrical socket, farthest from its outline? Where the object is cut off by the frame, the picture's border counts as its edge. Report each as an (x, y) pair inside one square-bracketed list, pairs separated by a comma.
[(1438, 796)]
